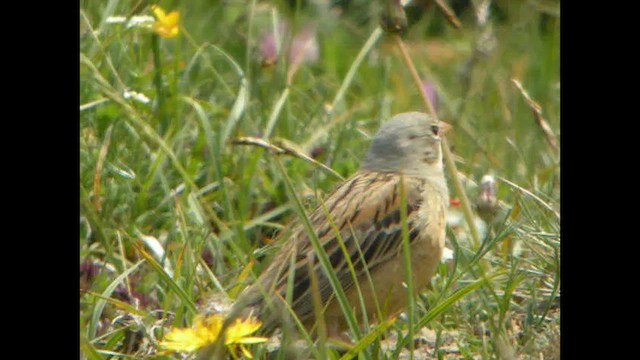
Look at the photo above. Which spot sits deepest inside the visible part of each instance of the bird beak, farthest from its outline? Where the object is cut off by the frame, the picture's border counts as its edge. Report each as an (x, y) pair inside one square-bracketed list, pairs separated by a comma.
[(444, 127)]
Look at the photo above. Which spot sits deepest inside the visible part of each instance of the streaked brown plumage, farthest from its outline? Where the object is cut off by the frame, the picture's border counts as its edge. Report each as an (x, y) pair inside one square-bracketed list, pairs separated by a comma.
[(365, 212)]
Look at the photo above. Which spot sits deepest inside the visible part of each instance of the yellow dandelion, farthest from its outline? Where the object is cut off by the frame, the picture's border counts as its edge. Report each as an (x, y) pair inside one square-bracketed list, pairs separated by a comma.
[(206, 331), (203, 332), (238, 335), (166, 25)]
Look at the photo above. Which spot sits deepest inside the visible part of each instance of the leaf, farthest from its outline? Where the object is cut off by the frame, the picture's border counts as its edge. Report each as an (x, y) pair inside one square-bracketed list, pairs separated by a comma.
[(195, 209), (186, 300), (119, 304), (321, 253), (241, 278), (100, 304), (452, 299), (236, 112), (369, 338), (88, 350)]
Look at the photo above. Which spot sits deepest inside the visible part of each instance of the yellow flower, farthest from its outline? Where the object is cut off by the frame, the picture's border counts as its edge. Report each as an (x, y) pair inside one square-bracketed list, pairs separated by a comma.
[(206, 331), (203, 332), (237, 335), (166, 25)]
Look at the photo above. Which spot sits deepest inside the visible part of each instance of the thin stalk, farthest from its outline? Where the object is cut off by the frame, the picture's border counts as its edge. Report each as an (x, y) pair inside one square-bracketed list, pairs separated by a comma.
[(406, 247), (157, 82), (448, 157), (373, 38), (322, 255)]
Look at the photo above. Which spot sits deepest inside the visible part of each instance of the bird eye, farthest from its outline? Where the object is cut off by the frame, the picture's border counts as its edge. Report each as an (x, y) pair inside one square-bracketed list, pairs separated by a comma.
[(435, 129)]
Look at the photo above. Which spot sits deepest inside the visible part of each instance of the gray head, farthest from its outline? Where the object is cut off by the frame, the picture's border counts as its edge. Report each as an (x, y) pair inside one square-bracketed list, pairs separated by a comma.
[(408, 143)]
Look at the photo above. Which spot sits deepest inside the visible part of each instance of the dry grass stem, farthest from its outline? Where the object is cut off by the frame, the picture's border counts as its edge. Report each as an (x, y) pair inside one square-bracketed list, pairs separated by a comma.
[(449, 14), (448, 157), (283, 149), (102, 155), (537, 114)]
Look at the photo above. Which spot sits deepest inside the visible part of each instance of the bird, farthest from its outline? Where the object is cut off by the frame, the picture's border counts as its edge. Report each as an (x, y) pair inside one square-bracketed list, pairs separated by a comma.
[(364, 212)]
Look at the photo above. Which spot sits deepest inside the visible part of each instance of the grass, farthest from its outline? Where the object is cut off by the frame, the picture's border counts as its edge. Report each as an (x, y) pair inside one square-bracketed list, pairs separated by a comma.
[(173, 210)]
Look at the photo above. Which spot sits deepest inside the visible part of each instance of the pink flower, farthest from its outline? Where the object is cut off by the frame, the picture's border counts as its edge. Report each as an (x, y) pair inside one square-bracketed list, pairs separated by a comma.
[(429, 87), (303, 48)]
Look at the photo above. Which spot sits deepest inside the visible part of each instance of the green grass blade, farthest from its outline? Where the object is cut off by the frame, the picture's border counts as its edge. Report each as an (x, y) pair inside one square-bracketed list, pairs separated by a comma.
[(322, 255), (276, 113), (237, 110), (118, 303), (88, 350), (355, 65), (406, 252), (368, 339), (186, 300), (452, 299), (100, 304)]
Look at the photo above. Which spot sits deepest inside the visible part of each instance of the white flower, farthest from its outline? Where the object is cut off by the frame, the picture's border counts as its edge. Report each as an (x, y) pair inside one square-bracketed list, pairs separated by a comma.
[(144, 21), (141, 21), (140, 97)]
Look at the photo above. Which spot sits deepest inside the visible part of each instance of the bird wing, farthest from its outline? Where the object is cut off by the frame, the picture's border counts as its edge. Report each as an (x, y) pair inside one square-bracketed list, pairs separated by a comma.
[(365, 212)]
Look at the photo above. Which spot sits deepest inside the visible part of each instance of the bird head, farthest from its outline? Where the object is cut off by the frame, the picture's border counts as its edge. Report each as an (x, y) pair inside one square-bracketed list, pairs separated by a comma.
[(408, 143)]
